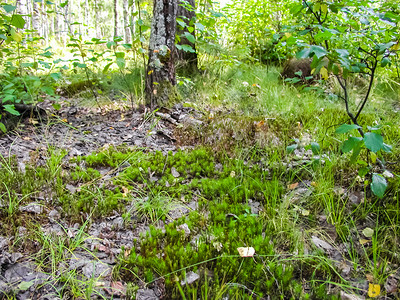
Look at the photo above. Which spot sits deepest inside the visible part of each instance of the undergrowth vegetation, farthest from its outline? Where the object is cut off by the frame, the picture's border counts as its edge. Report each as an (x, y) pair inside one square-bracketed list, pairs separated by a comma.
[(288, 187)]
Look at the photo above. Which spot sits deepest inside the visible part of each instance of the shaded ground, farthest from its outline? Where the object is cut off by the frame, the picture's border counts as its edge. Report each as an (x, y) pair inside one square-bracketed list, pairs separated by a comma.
[(94, 245)]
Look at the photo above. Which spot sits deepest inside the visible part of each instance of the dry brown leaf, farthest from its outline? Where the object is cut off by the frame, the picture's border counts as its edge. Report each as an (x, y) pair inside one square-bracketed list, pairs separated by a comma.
[(293, 186), (364, 241), (246, 251)]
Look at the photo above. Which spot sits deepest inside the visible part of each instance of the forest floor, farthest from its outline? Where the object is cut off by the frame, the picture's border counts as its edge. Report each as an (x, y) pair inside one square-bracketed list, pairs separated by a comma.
[(112, 203)]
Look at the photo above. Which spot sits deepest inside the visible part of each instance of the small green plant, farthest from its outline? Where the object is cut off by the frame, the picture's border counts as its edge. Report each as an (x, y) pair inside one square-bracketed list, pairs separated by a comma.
[(373, 142)]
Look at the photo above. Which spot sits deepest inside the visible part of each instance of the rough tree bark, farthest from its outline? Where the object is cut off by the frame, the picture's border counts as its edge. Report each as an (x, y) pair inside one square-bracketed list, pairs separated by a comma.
[(187, 61), (160, 76), (126, 22), (115, 18)]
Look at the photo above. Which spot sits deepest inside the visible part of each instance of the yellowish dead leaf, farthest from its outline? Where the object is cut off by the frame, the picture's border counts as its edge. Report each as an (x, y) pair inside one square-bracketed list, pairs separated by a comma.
[(65, 120), (369, 277), (364, 241), (314, 184), (293, 186), (305, 212), (374, 290), (246, 251), (150, 72), (125, 191), (324, 73)]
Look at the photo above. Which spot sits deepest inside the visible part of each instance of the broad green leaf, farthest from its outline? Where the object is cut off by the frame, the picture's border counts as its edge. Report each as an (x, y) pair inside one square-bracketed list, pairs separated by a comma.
[(9, 8), (346, 128), (190, 37), (291, 148), (378, 185), (315, 148), (373, 141), (181, 22), (199, 26), (356, 152), (350, 144), (16, 36), (323, 36), (385, 61), (3, 127), (303, 53), (111, 44), (18, 21), (64, 4), (318, 51), (186, 48), (56, 106), (342, 52), (120, 62), (387, 148), (47, 90), (120, 54), (11, 109)]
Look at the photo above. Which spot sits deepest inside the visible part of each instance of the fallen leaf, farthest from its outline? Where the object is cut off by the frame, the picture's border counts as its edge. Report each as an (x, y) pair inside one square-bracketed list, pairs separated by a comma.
[(314, 184), (374, 290), (125, 191), (369, 277), (364, 241), (305, 212), (127, 253), (175, 173), (246, 251), (117, 288), (26, 138), (293, 186), (368, 232)]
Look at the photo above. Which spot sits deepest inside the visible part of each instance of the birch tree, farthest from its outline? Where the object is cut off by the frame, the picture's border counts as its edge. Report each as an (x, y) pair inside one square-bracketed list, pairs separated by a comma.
[(160, 76)]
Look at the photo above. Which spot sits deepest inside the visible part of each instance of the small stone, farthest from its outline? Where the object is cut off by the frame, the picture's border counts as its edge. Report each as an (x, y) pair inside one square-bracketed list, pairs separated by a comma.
[(345, 296), (96, 269), (190, 278), (54, 214), (32, 208), (184, 228), (146, 294), (175, 173), (321, 244)]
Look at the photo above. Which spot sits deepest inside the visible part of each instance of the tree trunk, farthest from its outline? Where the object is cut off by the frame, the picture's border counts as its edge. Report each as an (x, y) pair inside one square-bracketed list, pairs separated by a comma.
[(126, 22), (160, 76), (187, 60), (115, 18)]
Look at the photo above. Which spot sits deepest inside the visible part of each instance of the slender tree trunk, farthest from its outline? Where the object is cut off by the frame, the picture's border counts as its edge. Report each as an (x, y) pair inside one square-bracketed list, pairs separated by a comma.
[(126, 22), (115, 18), (187, 57), (160, 76), (35, 16), (87, 17)]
